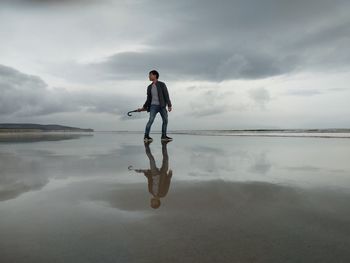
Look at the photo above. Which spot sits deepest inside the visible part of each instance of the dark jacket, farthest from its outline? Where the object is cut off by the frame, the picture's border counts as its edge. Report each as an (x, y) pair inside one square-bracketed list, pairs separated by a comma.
[(164, 183), (163, 95)]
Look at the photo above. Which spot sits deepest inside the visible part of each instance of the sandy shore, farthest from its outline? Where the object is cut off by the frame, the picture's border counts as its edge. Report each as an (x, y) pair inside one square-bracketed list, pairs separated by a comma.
[(226, 199)]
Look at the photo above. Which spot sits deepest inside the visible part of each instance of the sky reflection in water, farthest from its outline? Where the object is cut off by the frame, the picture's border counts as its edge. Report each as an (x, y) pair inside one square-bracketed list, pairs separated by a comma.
[(111, 198)]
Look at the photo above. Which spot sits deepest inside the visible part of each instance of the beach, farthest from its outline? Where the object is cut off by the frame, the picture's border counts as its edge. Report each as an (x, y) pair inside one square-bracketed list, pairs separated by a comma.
[(233, 198)]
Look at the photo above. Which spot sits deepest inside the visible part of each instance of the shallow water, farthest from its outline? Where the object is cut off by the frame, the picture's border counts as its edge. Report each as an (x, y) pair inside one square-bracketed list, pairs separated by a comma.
[(222, 199)]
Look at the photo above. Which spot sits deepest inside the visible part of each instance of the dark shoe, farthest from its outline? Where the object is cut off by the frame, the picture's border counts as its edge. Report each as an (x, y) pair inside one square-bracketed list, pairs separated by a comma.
[(166, 138), (147, 139)]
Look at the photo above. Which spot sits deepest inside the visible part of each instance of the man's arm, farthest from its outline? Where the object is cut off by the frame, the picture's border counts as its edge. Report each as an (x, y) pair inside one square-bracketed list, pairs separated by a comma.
[(147, 102), (167, 98)]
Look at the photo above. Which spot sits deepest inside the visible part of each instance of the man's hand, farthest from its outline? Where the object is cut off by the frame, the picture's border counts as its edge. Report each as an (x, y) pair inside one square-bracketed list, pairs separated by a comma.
[(169, 108), (141, 109)]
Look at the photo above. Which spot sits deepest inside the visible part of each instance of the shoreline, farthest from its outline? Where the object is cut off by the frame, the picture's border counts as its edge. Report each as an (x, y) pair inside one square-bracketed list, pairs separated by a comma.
[(330, 135), (342, 135), (25, 133)]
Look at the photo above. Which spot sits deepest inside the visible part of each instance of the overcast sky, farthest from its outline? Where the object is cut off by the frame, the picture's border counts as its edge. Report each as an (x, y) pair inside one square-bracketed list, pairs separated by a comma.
[(229, 64)]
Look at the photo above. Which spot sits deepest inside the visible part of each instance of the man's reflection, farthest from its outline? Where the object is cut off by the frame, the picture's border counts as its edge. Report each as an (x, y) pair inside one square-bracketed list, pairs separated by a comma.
[(158, 178)]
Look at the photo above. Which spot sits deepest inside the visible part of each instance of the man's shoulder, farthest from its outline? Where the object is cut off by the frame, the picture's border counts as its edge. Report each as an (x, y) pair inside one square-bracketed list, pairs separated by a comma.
[(160, 83)]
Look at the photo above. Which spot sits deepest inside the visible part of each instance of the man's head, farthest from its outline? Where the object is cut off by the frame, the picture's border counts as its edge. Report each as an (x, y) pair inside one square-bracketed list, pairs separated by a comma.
[(153, 75), (155, 203)]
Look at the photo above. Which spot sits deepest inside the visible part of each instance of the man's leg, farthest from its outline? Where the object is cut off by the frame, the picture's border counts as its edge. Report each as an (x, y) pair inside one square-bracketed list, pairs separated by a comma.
[(164, 114), (165, 163), (152, 161), (152, 115)]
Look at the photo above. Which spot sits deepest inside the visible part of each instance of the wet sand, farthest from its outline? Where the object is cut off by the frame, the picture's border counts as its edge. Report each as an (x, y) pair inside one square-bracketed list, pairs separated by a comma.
[(226, 199)]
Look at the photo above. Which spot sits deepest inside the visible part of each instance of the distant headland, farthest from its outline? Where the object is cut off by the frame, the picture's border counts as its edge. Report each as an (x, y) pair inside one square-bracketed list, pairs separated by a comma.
[(31, 127)]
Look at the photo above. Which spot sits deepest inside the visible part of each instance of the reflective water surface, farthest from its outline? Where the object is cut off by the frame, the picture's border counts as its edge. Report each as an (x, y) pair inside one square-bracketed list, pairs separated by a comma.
[(111, 198)]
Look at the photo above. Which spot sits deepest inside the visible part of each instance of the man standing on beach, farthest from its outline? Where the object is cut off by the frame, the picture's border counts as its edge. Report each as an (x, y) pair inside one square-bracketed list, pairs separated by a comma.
[(157, 100)]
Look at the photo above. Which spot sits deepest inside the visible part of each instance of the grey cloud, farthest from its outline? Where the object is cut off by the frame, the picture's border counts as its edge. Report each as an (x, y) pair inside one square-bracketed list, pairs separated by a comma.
[(312, 91), (261, 96), (193, 39), (262, 165), (325, 48), (50, 2), (310, 168), (206, 111), (306, 92), (30, 169), (209, 64), (234, 40), (109, 103), (190, 88), (12, 180), (27, 95), (211, 102), (329, 35)]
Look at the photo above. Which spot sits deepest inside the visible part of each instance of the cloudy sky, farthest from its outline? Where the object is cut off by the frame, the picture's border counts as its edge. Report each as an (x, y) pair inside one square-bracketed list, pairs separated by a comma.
[(228, 64)]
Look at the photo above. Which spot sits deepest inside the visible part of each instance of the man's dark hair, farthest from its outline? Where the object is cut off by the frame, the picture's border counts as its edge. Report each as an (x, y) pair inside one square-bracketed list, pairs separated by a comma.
[(154, 72)]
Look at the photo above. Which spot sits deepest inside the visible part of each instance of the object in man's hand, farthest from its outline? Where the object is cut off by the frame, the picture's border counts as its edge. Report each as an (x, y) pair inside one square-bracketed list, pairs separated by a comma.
[(138, 110), (129, 113)]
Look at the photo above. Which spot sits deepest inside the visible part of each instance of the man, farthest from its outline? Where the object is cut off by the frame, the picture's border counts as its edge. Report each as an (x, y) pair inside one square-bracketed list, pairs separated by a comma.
[(158, 178), (157, 100)]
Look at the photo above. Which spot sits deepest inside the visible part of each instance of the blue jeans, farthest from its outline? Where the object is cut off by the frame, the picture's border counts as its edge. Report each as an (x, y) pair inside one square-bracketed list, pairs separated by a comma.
[(154, 109)]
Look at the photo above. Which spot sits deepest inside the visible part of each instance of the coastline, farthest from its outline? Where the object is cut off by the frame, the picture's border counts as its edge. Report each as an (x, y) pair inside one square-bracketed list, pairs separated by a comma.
[(343, 133), (39, 132)]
